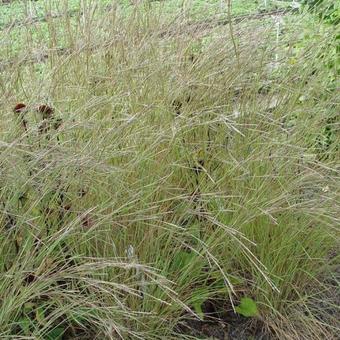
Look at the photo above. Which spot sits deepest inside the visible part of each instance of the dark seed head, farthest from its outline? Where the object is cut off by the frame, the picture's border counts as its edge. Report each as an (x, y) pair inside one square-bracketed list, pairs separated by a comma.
[(46, 111), (19, 108)]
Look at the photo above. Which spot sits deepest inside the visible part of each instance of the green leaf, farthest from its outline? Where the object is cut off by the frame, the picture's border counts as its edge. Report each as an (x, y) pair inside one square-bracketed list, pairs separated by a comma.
[(29, 306), (25, 324), (40, 315), (182, 259), (55, 333), (247, 307), (198, 309)]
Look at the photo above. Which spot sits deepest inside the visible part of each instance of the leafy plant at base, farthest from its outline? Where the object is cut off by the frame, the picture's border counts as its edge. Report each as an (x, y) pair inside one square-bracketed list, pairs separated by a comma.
[(247, 307)]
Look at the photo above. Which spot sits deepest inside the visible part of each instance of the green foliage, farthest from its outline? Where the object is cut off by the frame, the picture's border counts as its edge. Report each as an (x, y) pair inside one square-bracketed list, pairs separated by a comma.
[(182, 259), (328, 10), (198, 309), (247, 307), (55, 333), (25, 324)]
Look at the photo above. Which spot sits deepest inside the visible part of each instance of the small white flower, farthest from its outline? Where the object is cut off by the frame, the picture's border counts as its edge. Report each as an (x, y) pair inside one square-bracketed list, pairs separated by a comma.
[(325, 189)]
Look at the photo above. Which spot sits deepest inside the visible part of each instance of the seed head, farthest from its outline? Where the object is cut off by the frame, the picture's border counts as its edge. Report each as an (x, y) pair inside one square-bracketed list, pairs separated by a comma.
[(19, 108), (46, 111)]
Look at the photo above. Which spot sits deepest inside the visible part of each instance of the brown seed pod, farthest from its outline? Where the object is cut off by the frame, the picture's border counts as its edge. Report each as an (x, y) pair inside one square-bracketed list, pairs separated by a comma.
[(46, 111), (19, 108)]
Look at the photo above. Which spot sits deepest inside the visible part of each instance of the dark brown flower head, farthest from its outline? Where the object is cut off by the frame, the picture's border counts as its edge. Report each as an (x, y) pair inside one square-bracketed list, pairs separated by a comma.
[(46, 111), (19, 108)]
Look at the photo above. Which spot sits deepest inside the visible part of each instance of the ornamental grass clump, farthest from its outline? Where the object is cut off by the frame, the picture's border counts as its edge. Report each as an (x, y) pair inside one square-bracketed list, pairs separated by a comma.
[(143, 193)]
